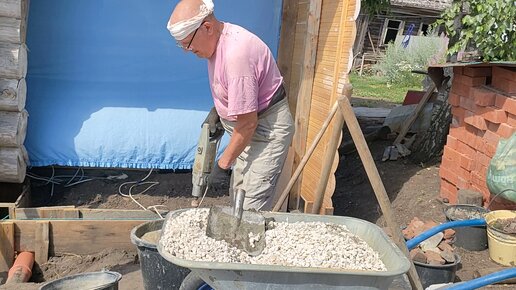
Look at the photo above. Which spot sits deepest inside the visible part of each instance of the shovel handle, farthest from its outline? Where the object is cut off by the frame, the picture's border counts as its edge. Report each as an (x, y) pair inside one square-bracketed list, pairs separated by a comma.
[(239, 203)]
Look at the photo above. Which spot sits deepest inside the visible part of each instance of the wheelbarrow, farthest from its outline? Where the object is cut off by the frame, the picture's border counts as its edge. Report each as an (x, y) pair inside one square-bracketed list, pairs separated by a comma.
[(250, 277)]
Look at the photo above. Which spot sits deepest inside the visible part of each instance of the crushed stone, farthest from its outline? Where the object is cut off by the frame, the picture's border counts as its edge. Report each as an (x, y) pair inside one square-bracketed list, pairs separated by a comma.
[(300, 244)]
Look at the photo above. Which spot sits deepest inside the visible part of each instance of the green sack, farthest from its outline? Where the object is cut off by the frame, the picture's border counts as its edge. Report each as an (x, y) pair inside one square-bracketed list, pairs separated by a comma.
[(501, 173)]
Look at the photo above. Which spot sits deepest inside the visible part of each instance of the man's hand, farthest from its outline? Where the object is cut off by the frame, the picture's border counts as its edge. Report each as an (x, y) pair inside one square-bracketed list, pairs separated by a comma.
[(219, 177)]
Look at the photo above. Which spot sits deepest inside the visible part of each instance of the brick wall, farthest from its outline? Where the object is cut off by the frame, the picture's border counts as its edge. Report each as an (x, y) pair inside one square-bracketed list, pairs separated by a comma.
[(483, 103)]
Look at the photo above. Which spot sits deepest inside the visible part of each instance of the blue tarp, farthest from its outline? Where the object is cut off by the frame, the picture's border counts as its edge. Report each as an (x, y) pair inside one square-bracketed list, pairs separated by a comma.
[(107, 86)]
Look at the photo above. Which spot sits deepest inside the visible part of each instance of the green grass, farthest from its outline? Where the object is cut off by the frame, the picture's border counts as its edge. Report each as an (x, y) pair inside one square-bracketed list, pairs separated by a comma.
[(374, 87)]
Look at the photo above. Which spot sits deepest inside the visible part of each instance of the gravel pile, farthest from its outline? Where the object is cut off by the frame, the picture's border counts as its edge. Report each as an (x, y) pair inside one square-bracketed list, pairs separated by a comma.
[(302, 244)]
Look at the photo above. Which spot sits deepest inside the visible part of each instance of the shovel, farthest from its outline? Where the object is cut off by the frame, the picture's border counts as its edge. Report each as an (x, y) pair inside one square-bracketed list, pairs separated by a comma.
[(240, 228)]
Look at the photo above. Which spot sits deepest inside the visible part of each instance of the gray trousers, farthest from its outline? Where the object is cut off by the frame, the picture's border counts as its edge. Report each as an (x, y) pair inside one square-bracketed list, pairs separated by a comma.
[(258, 167)]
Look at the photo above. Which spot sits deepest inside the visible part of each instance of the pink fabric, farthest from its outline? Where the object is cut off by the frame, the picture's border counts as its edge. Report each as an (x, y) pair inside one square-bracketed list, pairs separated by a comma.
[(243, 73)]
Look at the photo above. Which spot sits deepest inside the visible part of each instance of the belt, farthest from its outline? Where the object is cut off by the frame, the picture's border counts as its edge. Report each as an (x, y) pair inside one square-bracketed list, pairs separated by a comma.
[(279, 95)]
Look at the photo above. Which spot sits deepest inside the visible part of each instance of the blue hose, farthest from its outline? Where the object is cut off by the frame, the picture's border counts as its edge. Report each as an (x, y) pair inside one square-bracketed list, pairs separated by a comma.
[(485, 280), (412, 243)]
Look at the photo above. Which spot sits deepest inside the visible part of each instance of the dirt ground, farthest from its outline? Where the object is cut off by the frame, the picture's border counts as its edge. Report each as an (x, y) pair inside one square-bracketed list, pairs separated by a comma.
[(413, 190)]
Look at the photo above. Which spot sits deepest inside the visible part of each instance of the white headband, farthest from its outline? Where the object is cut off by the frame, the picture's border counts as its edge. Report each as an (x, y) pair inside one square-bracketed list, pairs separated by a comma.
[(180, 30)]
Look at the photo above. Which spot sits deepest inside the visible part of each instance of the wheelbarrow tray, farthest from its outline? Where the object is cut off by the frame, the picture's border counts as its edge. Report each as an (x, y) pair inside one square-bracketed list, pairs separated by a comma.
[(246, 276)]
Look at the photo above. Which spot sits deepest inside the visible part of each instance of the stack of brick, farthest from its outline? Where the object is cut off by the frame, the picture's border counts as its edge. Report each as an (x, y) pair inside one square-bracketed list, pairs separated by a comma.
[(484, 110)]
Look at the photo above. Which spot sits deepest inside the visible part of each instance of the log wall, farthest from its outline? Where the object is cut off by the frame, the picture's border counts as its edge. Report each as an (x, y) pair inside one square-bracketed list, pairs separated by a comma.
[(13, 89)]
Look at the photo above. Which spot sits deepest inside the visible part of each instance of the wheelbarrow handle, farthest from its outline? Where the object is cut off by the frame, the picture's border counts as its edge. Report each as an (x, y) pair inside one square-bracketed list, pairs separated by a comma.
[(412, 243)]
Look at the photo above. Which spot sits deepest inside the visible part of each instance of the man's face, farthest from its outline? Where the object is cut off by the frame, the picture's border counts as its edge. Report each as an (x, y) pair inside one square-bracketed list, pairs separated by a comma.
[(198, 42)]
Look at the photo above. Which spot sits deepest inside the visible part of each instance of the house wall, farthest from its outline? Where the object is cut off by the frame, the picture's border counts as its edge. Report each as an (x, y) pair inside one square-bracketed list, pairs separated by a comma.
[(371, 43), (484, 111)]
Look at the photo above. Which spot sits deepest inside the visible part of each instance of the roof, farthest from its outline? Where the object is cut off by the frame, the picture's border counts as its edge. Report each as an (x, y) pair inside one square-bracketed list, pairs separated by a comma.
[(437, 5)]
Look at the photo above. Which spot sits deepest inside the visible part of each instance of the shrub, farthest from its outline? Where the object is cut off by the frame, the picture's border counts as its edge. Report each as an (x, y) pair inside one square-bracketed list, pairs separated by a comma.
[(398, 61)]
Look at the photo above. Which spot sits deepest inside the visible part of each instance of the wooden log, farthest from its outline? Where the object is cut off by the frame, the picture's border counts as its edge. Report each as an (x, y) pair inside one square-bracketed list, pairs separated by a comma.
[(6, 246), (13, 164), (11, 8), (82, 237), (10, 30), (13, 128), (13, 93), (13, 61)]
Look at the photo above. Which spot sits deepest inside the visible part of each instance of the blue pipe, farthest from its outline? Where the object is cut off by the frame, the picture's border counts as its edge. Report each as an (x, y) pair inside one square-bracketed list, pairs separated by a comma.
[(412, 243), (485, 280)]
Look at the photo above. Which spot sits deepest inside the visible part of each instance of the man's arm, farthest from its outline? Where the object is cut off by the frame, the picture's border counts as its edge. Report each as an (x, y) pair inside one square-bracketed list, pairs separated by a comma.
[(242, 133)]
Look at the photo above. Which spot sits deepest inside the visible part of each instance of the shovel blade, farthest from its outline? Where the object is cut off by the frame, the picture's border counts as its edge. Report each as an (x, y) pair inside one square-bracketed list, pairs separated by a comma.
[(247, 234)]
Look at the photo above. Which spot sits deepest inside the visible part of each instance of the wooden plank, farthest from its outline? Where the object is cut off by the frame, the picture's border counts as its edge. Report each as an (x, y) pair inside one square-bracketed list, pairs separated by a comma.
[(41, 242), (12, 164), (10, 30), (82, 213), (304, 95), (286, 46), (11, 8), (13, 93), (13, 61), (6, 246), (13, 128), (82, 237)]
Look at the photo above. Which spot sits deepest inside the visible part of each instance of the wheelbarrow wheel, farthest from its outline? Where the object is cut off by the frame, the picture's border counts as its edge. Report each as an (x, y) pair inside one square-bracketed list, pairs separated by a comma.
[(194, 282)]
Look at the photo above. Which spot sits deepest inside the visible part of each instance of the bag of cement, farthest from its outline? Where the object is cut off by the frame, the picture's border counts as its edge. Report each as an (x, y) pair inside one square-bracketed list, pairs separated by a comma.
[(501, 173)]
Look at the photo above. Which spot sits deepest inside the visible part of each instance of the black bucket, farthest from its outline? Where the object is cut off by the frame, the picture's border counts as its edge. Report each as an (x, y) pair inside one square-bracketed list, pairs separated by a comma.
[(437, 274), (105, 280), (157, 273), (469, 238)]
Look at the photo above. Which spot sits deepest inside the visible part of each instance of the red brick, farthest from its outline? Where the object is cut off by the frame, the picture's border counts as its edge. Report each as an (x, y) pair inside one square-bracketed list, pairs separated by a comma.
[(511, 119), (483, 159), (453, 99), (469, 81), (451, 142), (483, 97), (466, 162), (505, 130), (481, 170), (492, 138), (463, 183), (461, 89), (504, 85), (448, 191), (458, 70), (466, 150), (459, 113), (493, 127), (468, 103), (506, 103), (494, 115), (508, 73), (475, 120), (448, 175), (453, 154), (434, 258), (477, 71), (471, 134), (477, 181)]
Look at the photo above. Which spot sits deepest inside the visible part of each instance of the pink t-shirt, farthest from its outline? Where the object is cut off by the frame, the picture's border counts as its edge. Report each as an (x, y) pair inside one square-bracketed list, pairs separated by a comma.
[(243, 73)]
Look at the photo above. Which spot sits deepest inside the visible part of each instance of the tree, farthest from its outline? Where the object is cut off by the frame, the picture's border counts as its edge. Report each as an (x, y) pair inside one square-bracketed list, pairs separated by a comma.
[(488, 25)]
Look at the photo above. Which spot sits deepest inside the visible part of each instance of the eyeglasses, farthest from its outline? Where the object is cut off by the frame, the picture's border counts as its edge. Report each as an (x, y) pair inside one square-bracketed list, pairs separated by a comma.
[(189, 43)]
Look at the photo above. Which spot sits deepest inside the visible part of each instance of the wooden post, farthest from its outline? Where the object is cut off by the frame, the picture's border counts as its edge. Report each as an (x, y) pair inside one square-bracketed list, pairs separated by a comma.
[(377, 184), (304, 96), (6, 246), (13, 128), (13, 94), (41, 242), (12, 164)]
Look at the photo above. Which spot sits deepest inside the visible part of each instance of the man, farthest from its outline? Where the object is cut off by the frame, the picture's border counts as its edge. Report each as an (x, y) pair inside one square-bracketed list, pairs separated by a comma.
[(249, 97)]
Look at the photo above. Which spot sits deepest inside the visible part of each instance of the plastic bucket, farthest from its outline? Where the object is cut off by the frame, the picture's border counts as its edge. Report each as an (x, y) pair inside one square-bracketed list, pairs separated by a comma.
[(469, 238), (502, 246), (94, 281), (157, 272), (436, 274)]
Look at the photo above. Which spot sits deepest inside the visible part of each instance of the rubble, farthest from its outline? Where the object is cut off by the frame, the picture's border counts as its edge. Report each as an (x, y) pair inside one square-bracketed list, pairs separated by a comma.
[(436, 250), (301, 244)]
